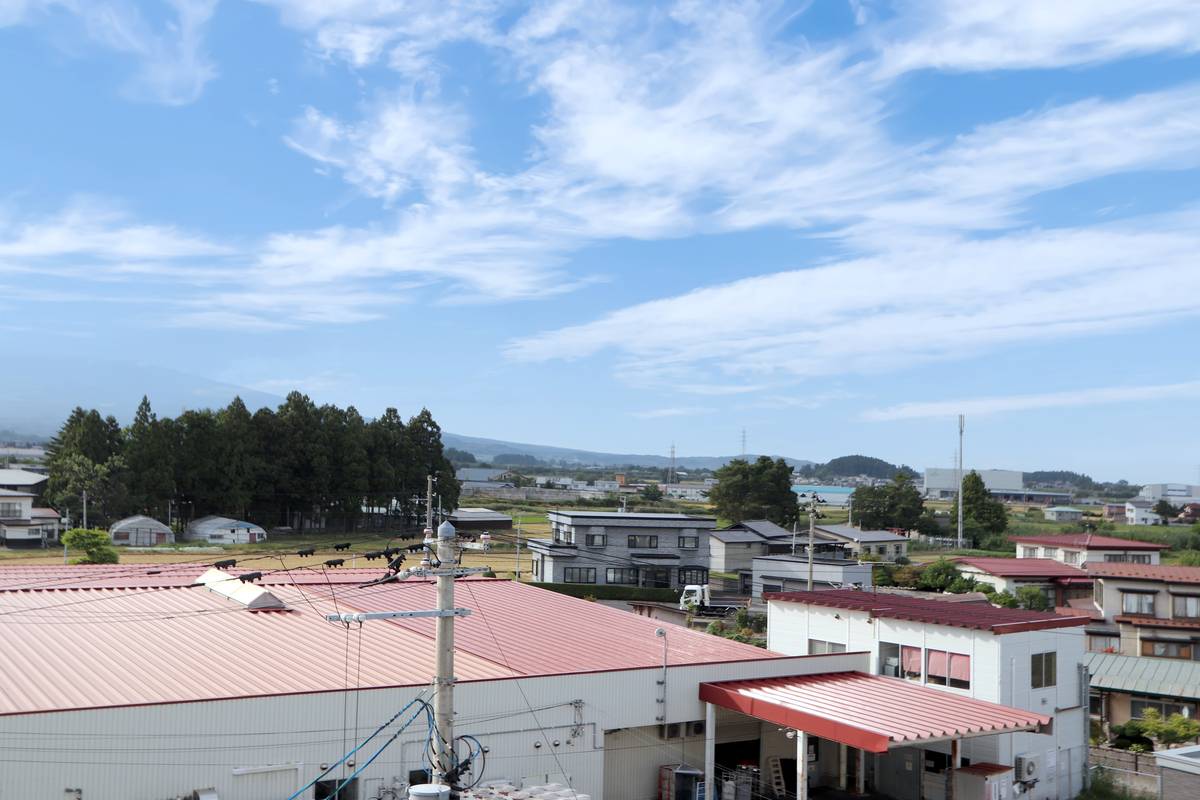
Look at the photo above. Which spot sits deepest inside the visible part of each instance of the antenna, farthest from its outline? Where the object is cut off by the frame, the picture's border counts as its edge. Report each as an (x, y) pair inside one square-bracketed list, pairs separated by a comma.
[(743, 443), (671, 472), (961, 426)]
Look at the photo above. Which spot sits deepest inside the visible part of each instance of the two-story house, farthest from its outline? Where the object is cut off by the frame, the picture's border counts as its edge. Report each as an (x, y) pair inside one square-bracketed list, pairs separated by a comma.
[(1144, 640), (1080, 549), (628, 549), (734, 549), (1024, 659), (24, 525)]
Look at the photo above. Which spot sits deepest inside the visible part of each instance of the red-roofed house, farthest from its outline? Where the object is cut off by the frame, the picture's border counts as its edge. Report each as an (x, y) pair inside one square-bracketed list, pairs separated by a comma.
[(1022, 659), (1060, 582), (1080, 549)]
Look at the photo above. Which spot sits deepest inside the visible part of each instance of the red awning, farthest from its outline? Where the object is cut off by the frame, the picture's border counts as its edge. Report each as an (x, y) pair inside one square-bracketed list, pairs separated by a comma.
[(869, 712)]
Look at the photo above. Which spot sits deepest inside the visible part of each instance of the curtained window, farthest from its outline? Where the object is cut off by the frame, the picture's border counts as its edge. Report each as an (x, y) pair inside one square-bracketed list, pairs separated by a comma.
[(936, 667), (910, 662)]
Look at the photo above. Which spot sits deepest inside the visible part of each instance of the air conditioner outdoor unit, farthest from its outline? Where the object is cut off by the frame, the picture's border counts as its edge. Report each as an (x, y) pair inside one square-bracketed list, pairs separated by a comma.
[(1027, 768), (891, 666)]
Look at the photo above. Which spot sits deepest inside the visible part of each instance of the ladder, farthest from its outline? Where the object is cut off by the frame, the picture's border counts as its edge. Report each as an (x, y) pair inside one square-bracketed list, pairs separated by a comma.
[(776, 771)]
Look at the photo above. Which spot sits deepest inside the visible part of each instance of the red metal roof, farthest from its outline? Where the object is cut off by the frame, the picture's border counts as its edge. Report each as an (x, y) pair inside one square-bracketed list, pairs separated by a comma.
[(91, 648), (1158, 622), (1088, 541), (918, 609), (17, 577), (870, 712), (1023, 567), (1167, 573)]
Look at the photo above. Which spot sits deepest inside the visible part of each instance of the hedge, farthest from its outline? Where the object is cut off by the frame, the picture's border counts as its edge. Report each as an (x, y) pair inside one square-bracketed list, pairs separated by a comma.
[(612, 592)]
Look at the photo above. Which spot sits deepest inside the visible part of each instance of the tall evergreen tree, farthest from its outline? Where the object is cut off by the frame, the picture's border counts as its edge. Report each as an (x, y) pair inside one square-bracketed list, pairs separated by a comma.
[(238, 454), (149, 461)]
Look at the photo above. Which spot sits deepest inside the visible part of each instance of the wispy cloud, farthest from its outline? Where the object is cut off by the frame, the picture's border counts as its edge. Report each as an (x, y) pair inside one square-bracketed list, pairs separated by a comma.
[(981, 406), (173, 66), (674, 411)]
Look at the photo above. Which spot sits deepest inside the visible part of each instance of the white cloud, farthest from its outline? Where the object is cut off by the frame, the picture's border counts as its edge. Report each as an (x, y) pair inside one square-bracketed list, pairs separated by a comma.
[(916, 303), (981, 406), (173, 66), (673, 411), (967, 35)]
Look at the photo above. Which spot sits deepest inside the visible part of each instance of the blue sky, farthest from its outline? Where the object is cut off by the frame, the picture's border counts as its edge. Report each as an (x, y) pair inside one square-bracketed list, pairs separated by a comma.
[(621, 225)]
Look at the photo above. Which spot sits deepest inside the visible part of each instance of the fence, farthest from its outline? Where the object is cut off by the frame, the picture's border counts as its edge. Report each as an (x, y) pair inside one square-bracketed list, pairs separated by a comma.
[(1144, 784)]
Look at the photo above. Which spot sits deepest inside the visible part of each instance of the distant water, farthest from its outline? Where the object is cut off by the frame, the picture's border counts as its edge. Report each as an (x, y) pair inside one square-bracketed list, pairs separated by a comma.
[(824, 489)]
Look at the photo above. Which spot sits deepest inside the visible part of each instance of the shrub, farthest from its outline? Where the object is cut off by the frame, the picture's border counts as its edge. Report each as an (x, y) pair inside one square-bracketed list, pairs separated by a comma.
[(903, 560), (1032, 598), (96, 546), (1004, 599)]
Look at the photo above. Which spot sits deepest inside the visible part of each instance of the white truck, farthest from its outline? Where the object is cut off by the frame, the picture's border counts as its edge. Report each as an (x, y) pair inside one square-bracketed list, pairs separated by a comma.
[(698, 600)]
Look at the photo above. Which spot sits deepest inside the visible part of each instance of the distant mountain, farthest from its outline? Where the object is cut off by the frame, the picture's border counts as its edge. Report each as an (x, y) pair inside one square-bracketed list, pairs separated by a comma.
[(39, 393), (489, 449)]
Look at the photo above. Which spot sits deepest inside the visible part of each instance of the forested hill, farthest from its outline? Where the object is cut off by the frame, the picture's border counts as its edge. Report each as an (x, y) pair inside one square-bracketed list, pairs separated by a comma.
[(853, 466)]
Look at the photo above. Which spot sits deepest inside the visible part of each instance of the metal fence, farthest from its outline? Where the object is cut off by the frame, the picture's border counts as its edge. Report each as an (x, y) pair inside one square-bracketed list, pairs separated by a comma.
[(1145, 784)]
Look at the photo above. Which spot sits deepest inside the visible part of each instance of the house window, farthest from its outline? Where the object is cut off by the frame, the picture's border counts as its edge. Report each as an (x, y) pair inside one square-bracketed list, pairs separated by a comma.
[(1166, 649), (889, 659), (1049, 552), (943, 668), (1095, 704), (622, 576), (1138, 604), (1103, 643), (1138, 708), (689, 542), (1098, 594), (596, 540), (1043, 670), (693, 576), (643, 542), (817, 647), (10, 510), (1186, 607), (910, 663), (1116, 557), (537, 568), (1139, 558), (1071, 557), (1029, 552), (579, 575)]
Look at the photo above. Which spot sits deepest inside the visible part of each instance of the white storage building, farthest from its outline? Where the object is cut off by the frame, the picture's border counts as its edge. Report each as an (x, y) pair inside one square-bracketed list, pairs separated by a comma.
[(223, 530), (140, 531)]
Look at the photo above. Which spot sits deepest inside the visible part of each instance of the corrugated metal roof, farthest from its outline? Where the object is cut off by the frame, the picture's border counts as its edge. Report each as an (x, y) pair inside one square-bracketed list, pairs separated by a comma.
[(1089, 541), (1022, 567), (1167, 573), (91, 648), (1166, 677), (870, 712), (919, 609), (854, 534)]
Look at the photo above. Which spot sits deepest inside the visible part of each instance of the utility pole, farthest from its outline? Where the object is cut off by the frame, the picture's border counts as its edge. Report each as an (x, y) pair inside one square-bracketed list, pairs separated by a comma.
[(518, 549), (85, 508), (443, 700), (812, 533), (960, 480), (428, 506)]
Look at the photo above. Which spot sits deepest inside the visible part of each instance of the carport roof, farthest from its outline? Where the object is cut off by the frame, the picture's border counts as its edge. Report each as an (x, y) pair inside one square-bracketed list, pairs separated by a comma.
[(869, 712)]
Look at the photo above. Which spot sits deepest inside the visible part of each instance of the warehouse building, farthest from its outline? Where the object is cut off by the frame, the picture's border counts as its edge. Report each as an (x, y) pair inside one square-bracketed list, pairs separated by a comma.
[(178, 683)]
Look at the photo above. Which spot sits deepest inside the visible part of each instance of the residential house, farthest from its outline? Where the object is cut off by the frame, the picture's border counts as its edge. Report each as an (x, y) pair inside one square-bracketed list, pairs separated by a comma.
[(733, 549), (22, 480), (1060, 582), (885, 545), (628, 549), (786, 573), (1080, 549), (224, 530), (477, 474), (140, 531), (1114, 512), (473, 518), (1138, 512), (22, 524), (1062, 514), (1023, 659), (1147, 618)]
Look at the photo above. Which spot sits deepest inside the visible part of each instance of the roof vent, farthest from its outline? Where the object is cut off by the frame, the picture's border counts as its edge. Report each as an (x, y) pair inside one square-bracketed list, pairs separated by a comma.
[(252, 596)]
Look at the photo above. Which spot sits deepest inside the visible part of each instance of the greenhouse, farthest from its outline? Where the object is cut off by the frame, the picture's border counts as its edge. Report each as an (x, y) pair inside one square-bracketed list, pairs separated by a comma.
[(140, 531), (223, 530)]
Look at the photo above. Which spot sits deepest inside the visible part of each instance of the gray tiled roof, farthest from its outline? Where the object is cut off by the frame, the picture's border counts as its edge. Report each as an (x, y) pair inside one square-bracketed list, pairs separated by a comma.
[(854, 534)]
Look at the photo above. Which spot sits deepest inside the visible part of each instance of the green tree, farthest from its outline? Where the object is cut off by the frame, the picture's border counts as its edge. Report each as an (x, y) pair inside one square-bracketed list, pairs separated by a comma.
[(1175, 729), (758, 490), (238, 453), (149, 461), (95, 545), (895, 505), (1165, 510), (938, 576), (1032, 598), (983, 515), (85, 455), (425, 456), (651, 492), (346, 435), (1004, 599)]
